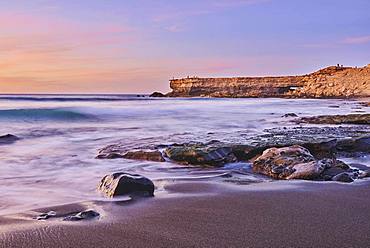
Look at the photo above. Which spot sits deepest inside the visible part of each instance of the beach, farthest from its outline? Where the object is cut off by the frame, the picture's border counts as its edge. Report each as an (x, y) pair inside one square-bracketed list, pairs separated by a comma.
[(285, 214)]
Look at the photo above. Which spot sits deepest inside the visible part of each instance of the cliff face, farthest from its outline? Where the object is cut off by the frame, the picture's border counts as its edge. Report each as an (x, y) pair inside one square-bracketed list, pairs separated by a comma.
[(329, 82)]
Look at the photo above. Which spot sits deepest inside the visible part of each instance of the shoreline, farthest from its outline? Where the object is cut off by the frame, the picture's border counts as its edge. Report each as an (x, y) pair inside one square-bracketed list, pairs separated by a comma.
[(282, 213)]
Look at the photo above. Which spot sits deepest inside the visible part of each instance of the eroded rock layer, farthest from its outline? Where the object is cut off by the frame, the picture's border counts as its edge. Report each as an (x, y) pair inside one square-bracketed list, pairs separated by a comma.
[(333, 81)]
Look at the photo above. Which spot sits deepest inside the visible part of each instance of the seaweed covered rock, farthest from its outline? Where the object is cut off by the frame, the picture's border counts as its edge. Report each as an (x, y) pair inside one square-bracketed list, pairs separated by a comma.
[(196, 154), (293, 162), (121, 183), (111, 152), (148, 155)]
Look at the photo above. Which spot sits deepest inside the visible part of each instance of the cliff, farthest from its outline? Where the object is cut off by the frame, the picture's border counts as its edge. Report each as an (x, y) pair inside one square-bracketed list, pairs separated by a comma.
[(333, 81)]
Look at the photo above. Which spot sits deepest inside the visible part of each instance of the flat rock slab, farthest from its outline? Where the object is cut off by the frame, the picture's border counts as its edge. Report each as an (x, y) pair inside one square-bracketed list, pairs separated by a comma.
[(363, 119)]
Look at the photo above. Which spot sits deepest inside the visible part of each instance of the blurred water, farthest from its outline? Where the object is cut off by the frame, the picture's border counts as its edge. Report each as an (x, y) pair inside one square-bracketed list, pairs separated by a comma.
[(54, 163)]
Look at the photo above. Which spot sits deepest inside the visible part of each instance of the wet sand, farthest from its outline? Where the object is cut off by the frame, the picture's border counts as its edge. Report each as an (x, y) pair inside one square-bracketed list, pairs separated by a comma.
[(200, 214)]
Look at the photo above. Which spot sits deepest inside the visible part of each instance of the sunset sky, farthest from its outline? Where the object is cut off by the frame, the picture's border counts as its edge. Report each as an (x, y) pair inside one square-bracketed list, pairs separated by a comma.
[(135, 46)]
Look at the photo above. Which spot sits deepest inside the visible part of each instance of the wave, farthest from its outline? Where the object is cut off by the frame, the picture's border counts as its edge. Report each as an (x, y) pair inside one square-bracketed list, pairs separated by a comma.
[(73, 98), (52, 114)]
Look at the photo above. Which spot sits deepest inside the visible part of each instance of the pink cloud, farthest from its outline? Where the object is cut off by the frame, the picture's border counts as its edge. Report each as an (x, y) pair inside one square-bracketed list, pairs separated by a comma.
[(357, 40), (236, 3)]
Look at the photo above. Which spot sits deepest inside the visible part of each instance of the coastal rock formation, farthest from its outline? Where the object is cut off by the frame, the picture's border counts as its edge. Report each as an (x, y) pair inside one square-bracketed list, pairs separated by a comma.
[(157, 94), (196, 154), (155, 156), (234, 87), (294, 162), (322, 142), (363, 119), (122, 183), (333, 81), (148, 155), (8, 139)]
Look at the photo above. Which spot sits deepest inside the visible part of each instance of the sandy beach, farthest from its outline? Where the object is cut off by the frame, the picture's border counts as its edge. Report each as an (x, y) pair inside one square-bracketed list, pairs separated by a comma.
[(200, 214)]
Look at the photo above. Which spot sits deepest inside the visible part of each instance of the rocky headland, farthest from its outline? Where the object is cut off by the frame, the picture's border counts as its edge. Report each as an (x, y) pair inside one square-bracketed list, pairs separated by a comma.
[(301, 152), (330, 82)]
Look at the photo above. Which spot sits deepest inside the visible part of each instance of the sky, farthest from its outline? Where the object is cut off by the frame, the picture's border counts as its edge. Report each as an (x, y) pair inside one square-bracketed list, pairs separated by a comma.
[(136, 46)]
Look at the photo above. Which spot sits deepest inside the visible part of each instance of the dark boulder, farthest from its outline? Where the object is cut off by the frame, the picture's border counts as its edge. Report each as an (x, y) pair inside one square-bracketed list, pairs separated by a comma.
[(343, 177), (354, 145), (290, 115), (122, 183), (8, 139), (333, 167), (325, 149), (157, 94)]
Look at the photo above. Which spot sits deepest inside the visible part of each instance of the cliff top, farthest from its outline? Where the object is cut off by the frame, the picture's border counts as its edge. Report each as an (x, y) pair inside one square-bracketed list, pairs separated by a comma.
[(324, 71)]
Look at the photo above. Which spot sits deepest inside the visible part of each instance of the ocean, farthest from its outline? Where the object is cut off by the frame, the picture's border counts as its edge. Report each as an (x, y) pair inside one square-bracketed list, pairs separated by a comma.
[(60, 135)]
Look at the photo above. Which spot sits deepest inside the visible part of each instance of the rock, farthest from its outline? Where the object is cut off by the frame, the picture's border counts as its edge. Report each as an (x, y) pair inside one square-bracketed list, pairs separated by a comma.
[(111, 155), (84, 215), (364, 174), (343, 177), (200, 154), (155, 155), (122, 183), (363, 119), (365, 104), (137, 154), (290, 115), (46, 216), (353, 145), (157, 94), (8, 139), (333, 167), (294, 162), (322, 142), (325, 149)]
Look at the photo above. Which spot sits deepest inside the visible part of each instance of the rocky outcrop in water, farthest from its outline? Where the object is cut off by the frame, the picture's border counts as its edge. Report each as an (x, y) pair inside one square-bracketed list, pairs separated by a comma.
[(111, 152), (8, 139), (363, 119), (296, 162), (122, 183), (157, 94), (333, 81), (199, 154), (322, 142), (303, 152)]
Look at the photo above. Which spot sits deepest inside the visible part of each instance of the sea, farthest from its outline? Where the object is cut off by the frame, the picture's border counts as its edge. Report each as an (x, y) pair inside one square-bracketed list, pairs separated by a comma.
[(54, 161)]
